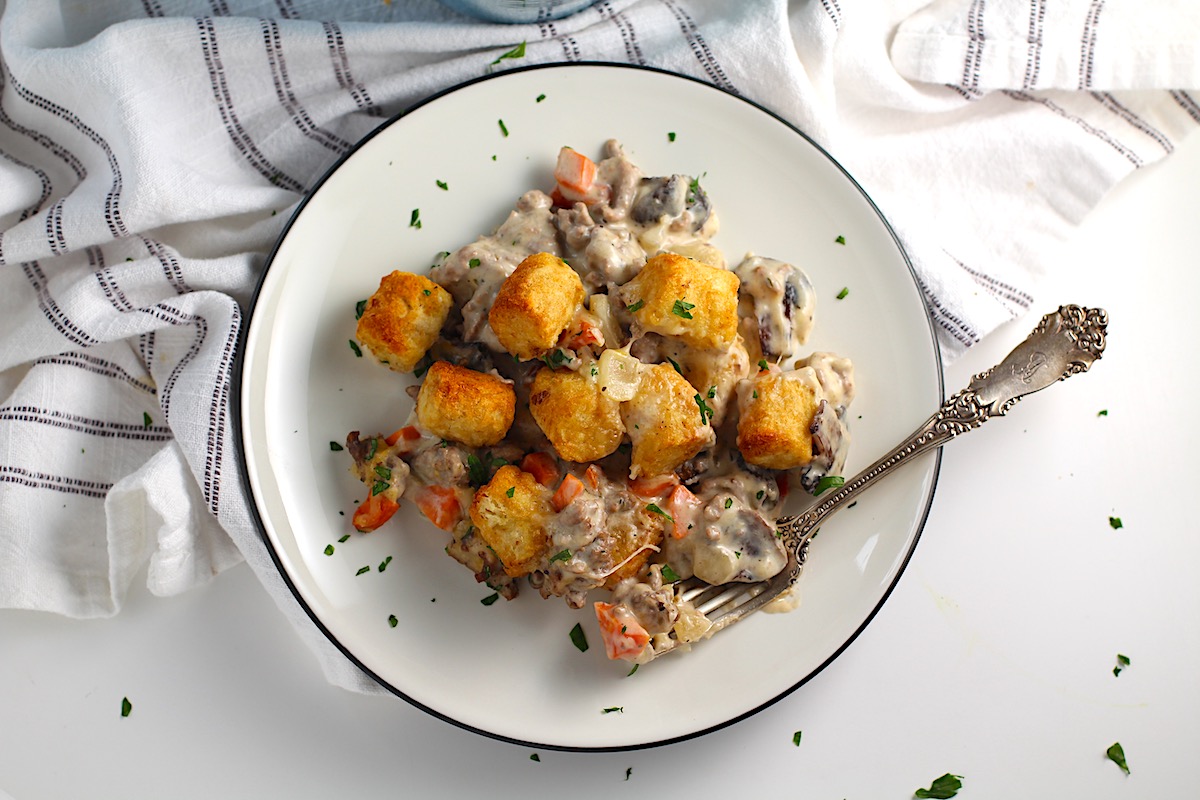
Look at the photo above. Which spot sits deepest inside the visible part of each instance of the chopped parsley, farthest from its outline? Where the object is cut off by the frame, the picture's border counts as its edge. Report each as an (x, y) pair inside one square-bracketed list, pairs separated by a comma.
[(534, 757), (383, 472), (706, 412), (479, 470), (353, 346), (1115, 523), (635, 666), (561, 555), (669, 575), (796, 738), (653, 509), (1116, 754), (578, 638), (1102, 412), (473, 263), (556, 359), (840, 240), (146, 420), (682, 309), (362, 571), (763, 366), (539, 98), (126, 707), (670, 136), (675, 364), (944, 787), (613, 709), (414, 221), (728, 502), (383, 564), (373, 448), (359, 308), (633, 308), (344, 538), (445, 187), (427, 293), (829, 482), (1122, 663), (491, 598), (516, 52), (392, 621), (335, 447), (328, 549), (629, 770), (511, 491), (379, 487), (503, 127), (842, 294)]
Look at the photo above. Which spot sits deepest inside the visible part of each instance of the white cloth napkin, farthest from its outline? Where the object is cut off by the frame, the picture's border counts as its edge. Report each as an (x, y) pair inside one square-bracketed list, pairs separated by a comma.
[(150, 151)]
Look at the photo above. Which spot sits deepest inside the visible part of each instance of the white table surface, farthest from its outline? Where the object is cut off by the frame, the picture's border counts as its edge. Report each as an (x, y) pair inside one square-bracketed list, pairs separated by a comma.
[(992, 659)]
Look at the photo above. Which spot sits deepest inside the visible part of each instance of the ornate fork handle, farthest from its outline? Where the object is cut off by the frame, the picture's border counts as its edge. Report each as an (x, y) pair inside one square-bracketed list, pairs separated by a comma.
[(1063, 344)]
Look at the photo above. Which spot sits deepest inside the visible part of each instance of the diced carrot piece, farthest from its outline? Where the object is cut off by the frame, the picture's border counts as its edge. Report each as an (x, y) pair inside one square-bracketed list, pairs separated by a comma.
[(588, 333), (624, 637), (574, 172), (440, 504), (593, 476), (653, 485), (408, 433), (542, 467), (570, 488), (682, 506), (374, 511)]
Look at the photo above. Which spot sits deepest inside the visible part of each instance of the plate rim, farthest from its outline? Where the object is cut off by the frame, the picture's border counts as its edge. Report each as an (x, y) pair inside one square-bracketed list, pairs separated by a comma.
[(240, 431)]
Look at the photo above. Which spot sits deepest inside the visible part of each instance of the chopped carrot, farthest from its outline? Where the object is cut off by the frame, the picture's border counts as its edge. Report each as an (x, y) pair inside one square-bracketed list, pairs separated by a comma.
[(654, 485), (593, 475), (374, 511), (440, 504), (588, 333), (542, 467), (570, 488), (682, 507), (408, 433), (574, 172), (624, 637)]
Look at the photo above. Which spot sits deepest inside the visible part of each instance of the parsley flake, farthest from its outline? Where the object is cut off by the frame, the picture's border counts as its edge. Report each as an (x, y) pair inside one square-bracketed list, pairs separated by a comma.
[(344, 537), (635, 666), (359, 308), (516, 52), (362, 571), (383, 472), (633, 308), (357, 350), (491, 598), (675, 364), (511, 491), (706, 412), (682, 309), (842, 294), (796, 738), (669, 575), (328, 549), (383, 564), (539, 98), (763, 366), (944, 787), (613, 709), (629, 770), (335, 447), (503, 127), (670, 136), (373, 448), (379, 487), (1116, 754), (653, 509), (829, 482), (1102, 412), (840, 240), (146, 420), (1115, 523), (126, 707), (578, 638), (728, 502), (534, 757), (561, 555), (1122, 663), (392, 621), (445, 187), (414, 221)]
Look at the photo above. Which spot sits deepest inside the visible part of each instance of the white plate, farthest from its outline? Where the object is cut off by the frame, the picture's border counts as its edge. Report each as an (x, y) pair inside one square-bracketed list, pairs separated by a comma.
[(509, 670)]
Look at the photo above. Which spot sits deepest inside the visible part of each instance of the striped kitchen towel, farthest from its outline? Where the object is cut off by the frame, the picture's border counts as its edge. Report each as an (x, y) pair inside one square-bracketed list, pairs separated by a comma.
[(150, 152)]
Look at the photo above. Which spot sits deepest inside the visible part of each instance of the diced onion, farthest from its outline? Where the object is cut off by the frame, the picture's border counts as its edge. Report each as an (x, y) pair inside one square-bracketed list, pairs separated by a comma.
[(601, 308), (620, 374)]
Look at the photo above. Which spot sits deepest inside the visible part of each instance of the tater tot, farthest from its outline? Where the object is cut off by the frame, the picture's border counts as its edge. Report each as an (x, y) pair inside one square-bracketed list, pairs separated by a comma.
[(676, 296), (466, 406), (665, 421), (510, 513), (776, 414), (579, 420), (402, 319), (535, 304)]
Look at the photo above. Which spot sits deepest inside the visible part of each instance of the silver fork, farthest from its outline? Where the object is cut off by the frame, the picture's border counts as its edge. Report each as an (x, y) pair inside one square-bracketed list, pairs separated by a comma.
[(1063, 344)]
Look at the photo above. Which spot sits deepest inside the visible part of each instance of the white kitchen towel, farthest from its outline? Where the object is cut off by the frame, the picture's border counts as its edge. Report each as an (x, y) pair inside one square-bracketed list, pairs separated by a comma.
[(151, 150)]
